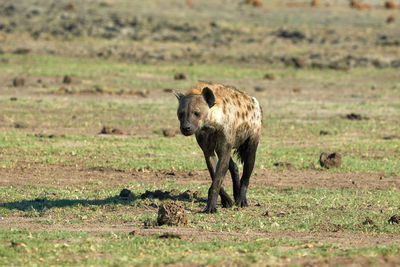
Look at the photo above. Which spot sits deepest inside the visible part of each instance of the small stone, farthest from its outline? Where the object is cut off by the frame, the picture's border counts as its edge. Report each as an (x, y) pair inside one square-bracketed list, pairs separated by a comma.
[(323, 132), (269, 76), (180, 76), (18, 81), (168, 133), (126, 194), (259, 89), (368, 221), (390, 5), (328, 160), (315, 3), (394, 219), (390, 19), (110, 130), (67, 79)]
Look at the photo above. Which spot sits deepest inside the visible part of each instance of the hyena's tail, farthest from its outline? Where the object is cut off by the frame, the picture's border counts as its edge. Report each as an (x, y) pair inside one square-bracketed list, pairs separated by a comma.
[(247, 147)]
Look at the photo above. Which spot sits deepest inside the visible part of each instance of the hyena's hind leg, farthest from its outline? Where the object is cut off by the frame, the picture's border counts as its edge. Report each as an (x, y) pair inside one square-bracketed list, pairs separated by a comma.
[(247, 153), (234, 170)]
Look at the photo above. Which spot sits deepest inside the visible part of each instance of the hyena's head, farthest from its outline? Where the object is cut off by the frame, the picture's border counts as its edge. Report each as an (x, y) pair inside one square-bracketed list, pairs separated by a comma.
[(193, 110)]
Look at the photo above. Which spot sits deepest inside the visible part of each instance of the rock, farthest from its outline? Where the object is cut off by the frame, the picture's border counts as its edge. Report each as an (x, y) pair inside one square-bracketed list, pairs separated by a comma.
[(21, 51), (171, 235), (180, 76), (355, 116), (390, 5), (126, 194), (315, 3), (110, 130), (323, 132), (259, 89), (291, 34), (368, 221), (18, 81), (269, 76), (168, 133), (394, 219), (327, 160), (297, 62), (390, 19), (359, 5), (20, 125), (67, 79), (172, 213), (64, 91)]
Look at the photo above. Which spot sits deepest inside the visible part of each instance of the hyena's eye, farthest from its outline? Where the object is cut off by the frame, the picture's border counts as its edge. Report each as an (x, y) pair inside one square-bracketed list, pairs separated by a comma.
[(197, 114)]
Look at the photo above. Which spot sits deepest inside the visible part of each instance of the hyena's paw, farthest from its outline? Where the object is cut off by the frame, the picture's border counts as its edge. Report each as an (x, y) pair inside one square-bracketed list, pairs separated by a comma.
[(226, 202), (210, 210), (241, 202)]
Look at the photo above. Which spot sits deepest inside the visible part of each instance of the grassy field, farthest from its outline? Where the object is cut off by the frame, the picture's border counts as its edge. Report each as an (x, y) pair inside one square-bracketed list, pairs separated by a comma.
[(61, 178)]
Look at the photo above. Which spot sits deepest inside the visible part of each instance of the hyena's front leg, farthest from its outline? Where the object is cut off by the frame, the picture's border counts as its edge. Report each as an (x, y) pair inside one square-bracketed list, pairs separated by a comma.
[(211, 161), (224, 156)]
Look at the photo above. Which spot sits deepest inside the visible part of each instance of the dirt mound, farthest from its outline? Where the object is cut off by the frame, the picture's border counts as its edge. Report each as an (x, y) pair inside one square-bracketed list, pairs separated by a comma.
[(394, 219), (110, 130), (126, 194), (172, 213), (328, 160), (390, 4), (355, 116), (180, 76), (168, 133), (18, 82), (315, 3)]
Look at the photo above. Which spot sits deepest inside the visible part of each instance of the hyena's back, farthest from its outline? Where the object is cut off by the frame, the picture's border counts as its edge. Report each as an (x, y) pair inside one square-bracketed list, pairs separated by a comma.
[(236, 113)]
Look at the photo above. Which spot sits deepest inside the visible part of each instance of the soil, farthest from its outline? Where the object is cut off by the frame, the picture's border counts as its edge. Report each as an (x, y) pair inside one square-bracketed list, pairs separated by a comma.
[(279, 178), (344, 239)]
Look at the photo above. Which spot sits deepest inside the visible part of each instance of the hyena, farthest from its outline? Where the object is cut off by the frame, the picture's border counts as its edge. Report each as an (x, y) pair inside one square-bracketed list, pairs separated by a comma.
[(223, 119)]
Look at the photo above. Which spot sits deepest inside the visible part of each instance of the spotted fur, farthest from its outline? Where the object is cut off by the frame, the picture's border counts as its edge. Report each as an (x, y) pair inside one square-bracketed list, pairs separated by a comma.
[(223, 119)]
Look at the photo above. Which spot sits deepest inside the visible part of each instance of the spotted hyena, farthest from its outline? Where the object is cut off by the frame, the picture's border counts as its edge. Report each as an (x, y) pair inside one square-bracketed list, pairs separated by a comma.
[(222, 118)]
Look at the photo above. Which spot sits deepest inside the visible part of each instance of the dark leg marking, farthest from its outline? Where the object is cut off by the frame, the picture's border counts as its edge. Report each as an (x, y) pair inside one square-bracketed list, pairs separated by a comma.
[(248, 160), (233, 169)]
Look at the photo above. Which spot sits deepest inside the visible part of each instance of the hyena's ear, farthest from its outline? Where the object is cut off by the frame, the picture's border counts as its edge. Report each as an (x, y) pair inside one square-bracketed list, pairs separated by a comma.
[(178, 95), (208, 96)]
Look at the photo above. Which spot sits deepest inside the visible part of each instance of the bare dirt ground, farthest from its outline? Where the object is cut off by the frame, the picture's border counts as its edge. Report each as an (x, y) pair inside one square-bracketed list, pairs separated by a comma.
[(56, 175), (62, 176)]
